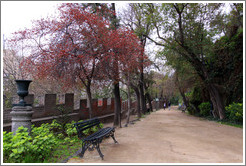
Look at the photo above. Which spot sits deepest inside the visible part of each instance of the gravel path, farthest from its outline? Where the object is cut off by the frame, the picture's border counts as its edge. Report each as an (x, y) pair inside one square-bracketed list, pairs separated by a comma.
[(169, 136)]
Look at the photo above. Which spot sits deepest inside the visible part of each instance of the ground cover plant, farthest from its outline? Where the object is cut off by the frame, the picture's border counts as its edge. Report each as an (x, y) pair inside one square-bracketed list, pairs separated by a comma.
[(46, 143)]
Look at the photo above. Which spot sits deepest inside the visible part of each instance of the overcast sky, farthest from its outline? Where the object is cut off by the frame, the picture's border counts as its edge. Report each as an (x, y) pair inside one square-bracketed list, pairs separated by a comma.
[(15, 15)]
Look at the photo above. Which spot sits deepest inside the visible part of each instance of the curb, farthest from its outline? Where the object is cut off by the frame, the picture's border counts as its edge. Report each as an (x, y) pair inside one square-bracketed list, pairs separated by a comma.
[(75, 154)]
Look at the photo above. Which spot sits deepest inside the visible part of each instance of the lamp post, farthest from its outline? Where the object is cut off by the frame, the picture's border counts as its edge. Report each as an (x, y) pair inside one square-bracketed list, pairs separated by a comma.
[(21, 113)]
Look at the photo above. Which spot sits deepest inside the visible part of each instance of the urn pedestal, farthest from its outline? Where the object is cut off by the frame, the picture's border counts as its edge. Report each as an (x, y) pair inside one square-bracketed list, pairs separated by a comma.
[(21, 116)]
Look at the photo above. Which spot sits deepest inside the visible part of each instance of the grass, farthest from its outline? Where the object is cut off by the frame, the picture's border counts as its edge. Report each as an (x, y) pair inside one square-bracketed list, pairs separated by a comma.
[(231, 124), (224, 122)]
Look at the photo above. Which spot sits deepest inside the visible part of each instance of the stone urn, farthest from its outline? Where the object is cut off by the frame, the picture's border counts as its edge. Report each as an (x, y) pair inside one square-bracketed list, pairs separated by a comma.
[(22, 91)]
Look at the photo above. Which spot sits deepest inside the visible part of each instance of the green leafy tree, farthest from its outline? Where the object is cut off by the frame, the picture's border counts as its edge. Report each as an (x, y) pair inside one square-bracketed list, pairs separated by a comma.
[(191, 30)]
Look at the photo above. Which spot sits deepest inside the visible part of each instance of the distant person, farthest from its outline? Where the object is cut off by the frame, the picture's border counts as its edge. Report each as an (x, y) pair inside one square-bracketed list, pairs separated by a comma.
[(179, 105), (164, 105), (169, 105), (183, 107)]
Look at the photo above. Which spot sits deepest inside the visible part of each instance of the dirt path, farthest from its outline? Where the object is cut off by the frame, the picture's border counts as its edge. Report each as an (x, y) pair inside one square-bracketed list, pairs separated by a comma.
[(171, 137)]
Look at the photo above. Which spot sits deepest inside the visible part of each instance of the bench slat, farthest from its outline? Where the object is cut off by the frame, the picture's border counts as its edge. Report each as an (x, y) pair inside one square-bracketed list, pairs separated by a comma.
[(81, 126), (99, 134)]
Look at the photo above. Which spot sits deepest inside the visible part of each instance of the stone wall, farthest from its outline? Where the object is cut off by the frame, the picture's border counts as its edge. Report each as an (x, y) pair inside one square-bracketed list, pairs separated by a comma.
[(50, 108), (49, 111)]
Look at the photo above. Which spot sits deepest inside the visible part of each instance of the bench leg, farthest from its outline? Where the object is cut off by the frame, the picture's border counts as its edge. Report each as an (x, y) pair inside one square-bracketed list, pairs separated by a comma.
[(84, 148), (99, 151), (114, 139)]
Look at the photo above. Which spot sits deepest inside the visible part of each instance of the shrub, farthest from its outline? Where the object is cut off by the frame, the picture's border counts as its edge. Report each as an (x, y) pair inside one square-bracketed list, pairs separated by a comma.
[(70, 129), (7, 143), (25, 147), (234, 112), (64, 118), (191, 109), (41, 144), (204, 109)]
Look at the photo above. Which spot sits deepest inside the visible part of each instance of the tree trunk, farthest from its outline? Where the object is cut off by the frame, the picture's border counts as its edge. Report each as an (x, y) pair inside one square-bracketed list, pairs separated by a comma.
[(117, 105), (184, 98), (138, 100), (218, 105), (148, 97), (186, 102), (149, 101), (129, 101), (89, 100), (141, 81), (142, 96)]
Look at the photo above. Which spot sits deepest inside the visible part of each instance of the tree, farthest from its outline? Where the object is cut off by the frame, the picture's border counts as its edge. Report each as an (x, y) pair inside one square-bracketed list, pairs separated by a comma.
[(148, 82), (14, 70), (123, 52), (187, 29), (228, 57), (11, 72), (79, 47), (116, 90), (134, 18), (184, 76), (67, 47), (121, 58)]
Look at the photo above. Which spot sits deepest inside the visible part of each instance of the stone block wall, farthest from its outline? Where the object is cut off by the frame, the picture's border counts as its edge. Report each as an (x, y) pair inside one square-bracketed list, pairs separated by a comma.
[(50, 105), (6, 116), (100, 107), (48, 112)]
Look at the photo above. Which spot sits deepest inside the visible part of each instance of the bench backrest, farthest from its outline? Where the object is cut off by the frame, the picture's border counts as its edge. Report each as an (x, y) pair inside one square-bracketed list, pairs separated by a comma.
[(81, 126)]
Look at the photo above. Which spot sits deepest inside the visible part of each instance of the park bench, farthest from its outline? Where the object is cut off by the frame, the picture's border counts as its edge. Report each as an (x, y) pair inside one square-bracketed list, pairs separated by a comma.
[(93, 141)]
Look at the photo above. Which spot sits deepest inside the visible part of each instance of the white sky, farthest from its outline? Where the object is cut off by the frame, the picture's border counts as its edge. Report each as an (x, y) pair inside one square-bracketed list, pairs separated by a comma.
[(16, 15)]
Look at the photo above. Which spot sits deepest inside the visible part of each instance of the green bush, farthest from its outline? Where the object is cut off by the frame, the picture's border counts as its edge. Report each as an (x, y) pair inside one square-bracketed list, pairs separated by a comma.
[(234, 112), (70, 130), (191, 109), (204, 109), (41, 144), (25, 147)]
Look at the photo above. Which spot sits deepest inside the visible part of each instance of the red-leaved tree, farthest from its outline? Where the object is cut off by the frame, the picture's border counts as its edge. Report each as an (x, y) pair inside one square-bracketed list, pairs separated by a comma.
[(76, 47), (123, 57)]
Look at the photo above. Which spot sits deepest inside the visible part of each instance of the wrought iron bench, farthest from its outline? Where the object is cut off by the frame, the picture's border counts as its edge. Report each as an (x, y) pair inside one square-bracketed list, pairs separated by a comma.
[(92, 141)]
